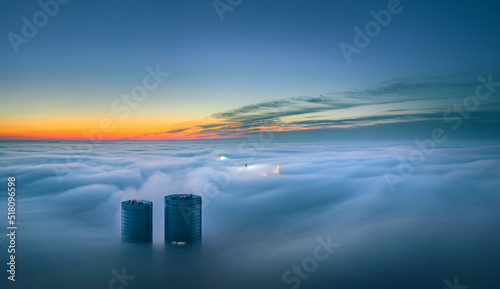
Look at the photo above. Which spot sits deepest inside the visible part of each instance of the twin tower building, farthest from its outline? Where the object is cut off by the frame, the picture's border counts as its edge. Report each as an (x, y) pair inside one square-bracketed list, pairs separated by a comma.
[(182, 220)]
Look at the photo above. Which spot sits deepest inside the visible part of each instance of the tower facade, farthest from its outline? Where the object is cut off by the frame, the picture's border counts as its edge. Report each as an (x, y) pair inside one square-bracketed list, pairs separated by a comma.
[(182, 219), (137, 221)]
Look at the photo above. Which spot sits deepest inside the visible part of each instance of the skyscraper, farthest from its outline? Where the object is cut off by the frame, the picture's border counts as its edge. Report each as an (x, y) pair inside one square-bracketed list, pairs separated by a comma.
[(137, 221), (182, 219)]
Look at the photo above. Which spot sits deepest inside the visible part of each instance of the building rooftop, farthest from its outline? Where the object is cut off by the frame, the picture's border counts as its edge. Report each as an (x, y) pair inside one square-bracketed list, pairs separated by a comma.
[(137, 202), (183, 197)]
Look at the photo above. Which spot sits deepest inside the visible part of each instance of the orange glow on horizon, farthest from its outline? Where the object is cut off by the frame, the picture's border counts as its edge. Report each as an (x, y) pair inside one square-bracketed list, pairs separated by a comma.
[(143, 131), (149, 128)]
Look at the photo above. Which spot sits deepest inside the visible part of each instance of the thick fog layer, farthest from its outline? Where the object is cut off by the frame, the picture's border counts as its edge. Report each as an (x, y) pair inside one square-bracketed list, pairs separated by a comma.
[(351, 215)]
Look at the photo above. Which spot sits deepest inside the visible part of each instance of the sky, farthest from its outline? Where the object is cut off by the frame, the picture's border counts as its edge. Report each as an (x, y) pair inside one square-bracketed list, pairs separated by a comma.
[(219, 69)]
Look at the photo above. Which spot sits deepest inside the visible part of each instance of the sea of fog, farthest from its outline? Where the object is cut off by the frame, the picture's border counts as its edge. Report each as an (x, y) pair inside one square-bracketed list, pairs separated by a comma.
[(338, 214)]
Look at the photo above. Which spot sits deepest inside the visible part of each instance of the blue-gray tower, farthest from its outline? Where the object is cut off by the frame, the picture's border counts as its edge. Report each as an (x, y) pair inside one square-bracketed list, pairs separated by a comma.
[(182, 219), (137, 221)]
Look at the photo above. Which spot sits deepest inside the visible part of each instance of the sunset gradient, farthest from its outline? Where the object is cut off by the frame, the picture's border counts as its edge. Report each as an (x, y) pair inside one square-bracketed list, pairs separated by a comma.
[(177, 70)]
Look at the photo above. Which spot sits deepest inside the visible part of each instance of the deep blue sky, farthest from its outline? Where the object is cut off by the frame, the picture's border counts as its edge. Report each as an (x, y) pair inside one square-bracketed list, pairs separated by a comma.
[(91, 52)]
